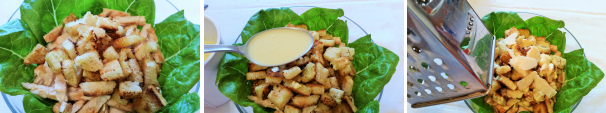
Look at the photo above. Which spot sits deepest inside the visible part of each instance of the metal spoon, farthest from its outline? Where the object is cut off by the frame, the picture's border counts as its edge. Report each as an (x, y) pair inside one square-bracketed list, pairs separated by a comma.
[(239, 49)]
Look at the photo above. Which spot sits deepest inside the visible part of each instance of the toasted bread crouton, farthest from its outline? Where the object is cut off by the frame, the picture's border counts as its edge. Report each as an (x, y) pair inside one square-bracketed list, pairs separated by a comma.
[(336, 94), (255, 75), (61, 88), (151, 100), (507, 82), (304, 101), (36, 56), (143, 50), (42, 91), (110, 54), (340, 63), (54, 59), (98, 88), (290, 25), (318, 58), (262, 90), (292, 72), (316, 89), (302, 26), (150, 73), (111, 71), (115, 110), (68, 47), (53, 34), (130, 89), (93, 76), (128, 41), (297, 87), (131, 20), (322, 32), (341, 108), (347, 84), (331, 82), (107, 24), (309, 109), (332, 53), (321, 74), (350, 101), (280, 96), (328, 100), (77, 105), (94, 104), (69, 71), (89, 61), (327, 42), (309, 72), (62, 107), (84, 46), (126, 52), (273, 78), (291, 109), (315, 34), (158, 56), (69, 18), (265, 103), (136, 74), (114, 104), (145, 31), (44, 75), (321, 108), (131, 30), (116, 97), (113, 13), (126, 69)]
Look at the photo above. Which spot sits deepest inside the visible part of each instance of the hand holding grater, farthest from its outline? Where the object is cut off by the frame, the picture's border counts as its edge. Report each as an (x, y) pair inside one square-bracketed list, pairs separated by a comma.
[(450, 53)]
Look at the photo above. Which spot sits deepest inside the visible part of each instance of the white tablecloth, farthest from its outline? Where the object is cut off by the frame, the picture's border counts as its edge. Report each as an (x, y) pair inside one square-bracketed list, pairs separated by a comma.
[(163, 10), (584, 18), (384, 19)]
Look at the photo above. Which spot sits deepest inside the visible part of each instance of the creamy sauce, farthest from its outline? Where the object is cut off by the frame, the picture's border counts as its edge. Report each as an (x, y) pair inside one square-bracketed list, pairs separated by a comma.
[(278, 46), (206, 55)]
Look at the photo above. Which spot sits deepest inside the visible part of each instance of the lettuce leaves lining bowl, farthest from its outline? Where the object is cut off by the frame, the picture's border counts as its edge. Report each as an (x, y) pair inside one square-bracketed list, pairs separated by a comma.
[(581, 74), (179, 42), (375, 64)]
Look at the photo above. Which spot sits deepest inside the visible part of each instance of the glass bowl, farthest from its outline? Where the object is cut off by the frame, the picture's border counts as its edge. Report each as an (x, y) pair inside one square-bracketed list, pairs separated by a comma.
[(355, 32), (571, 44), (15, 103)]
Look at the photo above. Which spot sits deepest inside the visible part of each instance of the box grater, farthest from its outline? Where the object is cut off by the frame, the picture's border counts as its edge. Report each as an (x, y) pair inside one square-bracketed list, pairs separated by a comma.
[(450, 53)]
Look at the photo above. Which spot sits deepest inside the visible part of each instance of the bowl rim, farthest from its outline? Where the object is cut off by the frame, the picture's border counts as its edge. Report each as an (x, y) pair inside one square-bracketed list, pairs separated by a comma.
[(214, 23), (575, 105)]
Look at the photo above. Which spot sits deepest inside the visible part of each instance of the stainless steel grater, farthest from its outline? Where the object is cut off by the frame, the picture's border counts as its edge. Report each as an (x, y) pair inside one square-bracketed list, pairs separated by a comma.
[(450, 53)]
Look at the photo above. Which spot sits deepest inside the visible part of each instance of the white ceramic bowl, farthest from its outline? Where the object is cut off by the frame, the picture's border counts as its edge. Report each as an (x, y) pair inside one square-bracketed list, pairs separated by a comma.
[(212, 96)]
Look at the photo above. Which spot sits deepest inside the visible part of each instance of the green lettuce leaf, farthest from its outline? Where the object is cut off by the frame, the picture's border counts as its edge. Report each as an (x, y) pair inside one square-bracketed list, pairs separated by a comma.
[(17, 42), (581, 77), (268, 19), (187, 103), (43, 15), (498, 22), (34, 104), (543, 26), (372, 107), (320, 18), (179, 41), (145, 8), (339, 29), (374, 67)]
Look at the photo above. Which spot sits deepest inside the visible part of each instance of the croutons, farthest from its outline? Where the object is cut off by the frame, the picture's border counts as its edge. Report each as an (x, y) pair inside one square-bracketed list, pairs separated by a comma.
[(68, 47), (98, 88), (297, 87), (114, 104), (262, 90), (274, 77), (36, 56), (336, 94), (264, 103), (54, 59), (309, 72), (69, 71), (94, 104), (507, 82), (112, 71), (291, 109), (321, 74), (53, 34), (309, 109), (131, 20), (89, 61), (130, 89), (136, 74), (150, 73), (316, 89), (304, 101), (347, 84), (256, 75), (292, 72), (44, 75), (128, 41), (328, 43), (143, 50), (91, 76), (110, 54), (280, 96), (113, 13), (151, 100)]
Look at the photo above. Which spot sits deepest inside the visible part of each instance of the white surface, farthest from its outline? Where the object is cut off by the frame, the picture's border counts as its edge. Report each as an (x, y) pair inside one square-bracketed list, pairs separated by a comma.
[(163, 10), (212, 96), (383, 19)]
